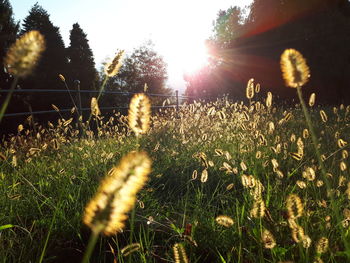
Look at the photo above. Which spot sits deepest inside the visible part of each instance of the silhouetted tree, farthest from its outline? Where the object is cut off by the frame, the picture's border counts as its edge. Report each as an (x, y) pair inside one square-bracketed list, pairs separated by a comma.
[(8, 33), (81, 59), (81, 64), (317, 28), (52, 63), (144, 65)]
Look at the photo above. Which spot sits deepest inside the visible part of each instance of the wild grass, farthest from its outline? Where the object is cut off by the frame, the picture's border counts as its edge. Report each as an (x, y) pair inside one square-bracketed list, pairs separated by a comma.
[(238, 214)]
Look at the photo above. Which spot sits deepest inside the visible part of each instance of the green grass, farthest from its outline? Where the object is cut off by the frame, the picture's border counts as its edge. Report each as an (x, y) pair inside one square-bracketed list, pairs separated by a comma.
[(42, 198)]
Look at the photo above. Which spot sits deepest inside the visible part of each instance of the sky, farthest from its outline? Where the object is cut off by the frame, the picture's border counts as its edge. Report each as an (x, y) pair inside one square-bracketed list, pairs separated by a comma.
[(177, 28)]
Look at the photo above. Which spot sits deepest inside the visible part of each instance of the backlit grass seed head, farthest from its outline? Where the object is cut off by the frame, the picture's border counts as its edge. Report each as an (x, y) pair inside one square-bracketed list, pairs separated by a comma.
[(24, 54), (301, 184), (323, 115), (225, 221), (343, 166), (126, 251), (322, 245), (298, 234), (139, 114), (258, 210), (250, 89), (305, 133), (204, 176), (257, 88), (341, 143), (194, 175), (62, 77), (230, 187), (295, 71), (112, 68), (269, 100), (180, 255), (306, 241), (116, 195), (95, 110), (294, 206), (243, 166), (312, 99), (268, 239)]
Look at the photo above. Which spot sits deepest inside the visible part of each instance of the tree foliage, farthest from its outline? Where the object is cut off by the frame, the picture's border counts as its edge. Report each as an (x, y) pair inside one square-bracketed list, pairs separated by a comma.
[(52, 63), (143, 66), (252, 48), (8, 33), (81, 60)]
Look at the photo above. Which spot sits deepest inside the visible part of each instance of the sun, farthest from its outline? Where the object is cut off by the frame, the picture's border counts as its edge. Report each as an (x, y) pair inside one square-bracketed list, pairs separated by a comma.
[(194, 57), (186, 57)]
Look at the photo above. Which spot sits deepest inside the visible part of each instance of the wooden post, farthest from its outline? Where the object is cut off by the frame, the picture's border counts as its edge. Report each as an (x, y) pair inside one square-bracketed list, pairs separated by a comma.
[(177, 100), (79, 110), (77, 83)]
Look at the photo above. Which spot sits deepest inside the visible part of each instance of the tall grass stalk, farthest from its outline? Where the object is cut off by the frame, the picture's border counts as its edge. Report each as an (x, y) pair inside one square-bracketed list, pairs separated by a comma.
[(315, 142), (8, 98)]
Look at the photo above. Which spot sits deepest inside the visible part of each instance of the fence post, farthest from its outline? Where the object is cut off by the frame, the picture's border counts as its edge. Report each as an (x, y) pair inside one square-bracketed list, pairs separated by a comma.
[(77, 83), (177, 100), (80, 111)]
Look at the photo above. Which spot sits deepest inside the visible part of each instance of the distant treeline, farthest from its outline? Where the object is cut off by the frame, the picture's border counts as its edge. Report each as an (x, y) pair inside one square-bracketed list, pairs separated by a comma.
[(248, 44), (76, 63)]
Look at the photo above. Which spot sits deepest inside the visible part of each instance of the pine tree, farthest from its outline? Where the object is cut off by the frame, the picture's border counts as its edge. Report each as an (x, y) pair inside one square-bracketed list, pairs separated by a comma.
[(8, 32), (53, 61), (81, 60)]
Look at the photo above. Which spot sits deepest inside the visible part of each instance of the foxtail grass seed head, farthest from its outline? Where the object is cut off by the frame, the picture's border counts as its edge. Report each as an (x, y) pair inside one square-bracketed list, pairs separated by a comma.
[(95, 110), (126, 251), (305, 133), (62, 77), (250, 89), (258, 210), (194, 175), (112, 68), (343, 166), (145, 89), (257, 88), (294, 68), (323, 115), (306, 241), (116, 195), (204, 176), (269, 100), (24, 54), (180, 255), (268, 239), (322, 245), (55, 107), (312, 99), (139, 114), (298, 234), (294, 206), (225, 221), (341, 143)]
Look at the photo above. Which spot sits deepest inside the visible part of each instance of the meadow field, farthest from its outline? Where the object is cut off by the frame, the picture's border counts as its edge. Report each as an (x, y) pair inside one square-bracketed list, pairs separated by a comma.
[(229, 182)]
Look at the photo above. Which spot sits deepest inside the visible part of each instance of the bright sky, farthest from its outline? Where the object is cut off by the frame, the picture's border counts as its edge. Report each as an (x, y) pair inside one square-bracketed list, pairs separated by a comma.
[(177, 28)]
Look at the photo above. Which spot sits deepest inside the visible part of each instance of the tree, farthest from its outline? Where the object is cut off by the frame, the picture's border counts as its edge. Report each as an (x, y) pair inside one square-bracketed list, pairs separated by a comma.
[(81, 60), (81, 64), (8, 33), (144, 65), (52, 63), (253, 48), (228, 26)]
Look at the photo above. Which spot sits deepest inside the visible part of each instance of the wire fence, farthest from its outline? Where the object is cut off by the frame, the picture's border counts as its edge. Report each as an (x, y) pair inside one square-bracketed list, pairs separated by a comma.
[(177, 97)]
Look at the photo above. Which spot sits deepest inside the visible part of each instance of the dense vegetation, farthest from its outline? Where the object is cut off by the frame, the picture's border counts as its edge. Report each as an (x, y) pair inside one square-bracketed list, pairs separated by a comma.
[(209, 159)]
